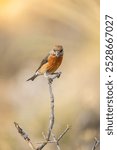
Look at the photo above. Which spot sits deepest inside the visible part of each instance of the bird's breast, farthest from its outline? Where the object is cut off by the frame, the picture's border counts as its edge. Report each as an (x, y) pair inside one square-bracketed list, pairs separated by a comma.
[(53, 63), (53, 60)]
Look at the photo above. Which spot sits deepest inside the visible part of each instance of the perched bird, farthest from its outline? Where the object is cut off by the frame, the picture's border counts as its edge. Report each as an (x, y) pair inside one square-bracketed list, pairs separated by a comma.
[(50, 63)]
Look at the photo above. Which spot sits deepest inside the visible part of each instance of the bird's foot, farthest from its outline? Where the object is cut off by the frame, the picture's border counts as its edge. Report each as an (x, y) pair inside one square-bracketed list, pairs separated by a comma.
[(52, 76), (50, 80), (56, 74), (59, 74)]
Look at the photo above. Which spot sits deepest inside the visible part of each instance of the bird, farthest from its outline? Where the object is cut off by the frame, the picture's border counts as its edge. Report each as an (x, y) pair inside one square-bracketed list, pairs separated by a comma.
[(50, 63)]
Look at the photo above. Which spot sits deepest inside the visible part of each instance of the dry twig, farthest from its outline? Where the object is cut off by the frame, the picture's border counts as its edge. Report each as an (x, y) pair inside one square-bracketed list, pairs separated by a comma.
[(25, 136), (51, 123), (96, 143)]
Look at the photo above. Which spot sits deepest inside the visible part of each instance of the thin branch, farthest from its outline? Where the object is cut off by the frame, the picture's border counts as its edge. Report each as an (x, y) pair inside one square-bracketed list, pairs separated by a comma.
[(25, 136), (51, 123), (43, 135), (56, 141), (96, 143), (48, 142), (63, 133)]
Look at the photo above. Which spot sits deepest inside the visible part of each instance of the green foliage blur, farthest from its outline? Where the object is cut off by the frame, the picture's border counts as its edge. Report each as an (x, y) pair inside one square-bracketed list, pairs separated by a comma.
[(28, 31)]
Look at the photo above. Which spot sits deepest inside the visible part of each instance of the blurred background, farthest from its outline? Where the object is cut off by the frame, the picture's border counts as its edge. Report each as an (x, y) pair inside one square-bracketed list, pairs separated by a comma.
[(28, 30)]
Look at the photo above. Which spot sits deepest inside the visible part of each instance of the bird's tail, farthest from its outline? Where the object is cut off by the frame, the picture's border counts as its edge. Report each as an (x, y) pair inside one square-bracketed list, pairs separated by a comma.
[(33, 77)]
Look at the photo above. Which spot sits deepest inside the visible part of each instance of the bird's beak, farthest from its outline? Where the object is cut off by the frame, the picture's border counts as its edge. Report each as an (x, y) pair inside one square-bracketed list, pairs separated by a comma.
[(57, 54)]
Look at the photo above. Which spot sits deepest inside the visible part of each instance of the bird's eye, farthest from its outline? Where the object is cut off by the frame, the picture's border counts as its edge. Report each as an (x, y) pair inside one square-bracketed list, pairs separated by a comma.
[(61, 50), (54, 50)]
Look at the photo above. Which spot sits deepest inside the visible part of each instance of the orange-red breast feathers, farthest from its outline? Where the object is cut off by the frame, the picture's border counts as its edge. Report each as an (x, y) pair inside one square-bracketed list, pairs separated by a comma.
[(52, 65)]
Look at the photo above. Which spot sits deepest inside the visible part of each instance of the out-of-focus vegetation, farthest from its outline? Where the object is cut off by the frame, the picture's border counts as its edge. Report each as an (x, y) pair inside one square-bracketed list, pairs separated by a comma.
[(28, 30)]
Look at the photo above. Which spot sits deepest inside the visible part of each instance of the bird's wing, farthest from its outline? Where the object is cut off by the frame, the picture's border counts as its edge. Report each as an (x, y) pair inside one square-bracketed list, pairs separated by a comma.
[(44, 61)]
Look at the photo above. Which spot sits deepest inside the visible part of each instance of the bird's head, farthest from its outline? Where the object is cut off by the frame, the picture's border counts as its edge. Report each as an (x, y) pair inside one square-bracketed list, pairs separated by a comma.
[(57, 50)]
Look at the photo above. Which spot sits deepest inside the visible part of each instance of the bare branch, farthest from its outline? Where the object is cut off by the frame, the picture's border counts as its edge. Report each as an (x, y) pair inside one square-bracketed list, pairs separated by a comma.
[(47, 140), (63, 133), (56, 141), (43, 135), (96, 143), (51, 123), (41, 142), (25, 136)]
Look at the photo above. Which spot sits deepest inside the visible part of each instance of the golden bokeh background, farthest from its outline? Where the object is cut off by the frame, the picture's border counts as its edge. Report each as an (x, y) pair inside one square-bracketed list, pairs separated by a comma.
[(28, 30)]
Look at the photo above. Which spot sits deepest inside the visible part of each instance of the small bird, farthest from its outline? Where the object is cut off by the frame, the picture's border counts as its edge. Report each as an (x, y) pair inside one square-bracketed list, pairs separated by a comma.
[(50, 63)]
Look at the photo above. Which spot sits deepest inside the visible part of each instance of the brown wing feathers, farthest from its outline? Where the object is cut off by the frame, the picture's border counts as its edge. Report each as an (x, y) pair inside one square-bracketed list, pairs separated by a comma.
[(44, 61)]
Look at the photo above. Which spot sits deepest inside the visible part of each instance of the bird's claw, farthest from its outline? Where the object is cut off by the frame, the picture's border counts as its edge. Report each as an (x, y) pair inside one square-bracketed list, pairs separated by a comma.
[(50, 80), (59, 74)]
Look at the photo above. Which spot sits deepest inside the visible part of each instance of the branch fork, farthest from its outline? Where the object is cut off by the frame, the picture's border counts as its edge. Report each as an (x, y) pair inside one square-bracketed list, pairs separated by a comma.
[(47, 137)]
